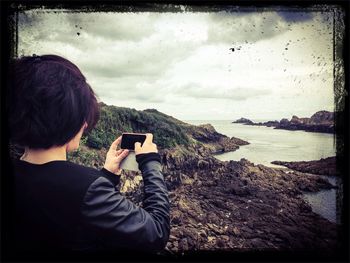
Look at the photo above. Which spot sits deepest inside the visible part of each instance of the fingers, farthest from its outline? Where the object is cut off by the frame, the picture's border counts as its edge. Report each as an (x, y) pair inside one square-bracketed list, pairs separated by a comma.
[(137, 146), (115, 144), (122, 155), (149, 137), (118, 152)]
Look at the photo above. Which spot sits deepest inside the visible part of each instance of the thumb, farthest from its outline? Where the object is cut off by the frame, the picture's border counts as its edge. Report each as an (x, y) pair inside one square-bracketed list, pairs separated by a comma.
[(137, 146)]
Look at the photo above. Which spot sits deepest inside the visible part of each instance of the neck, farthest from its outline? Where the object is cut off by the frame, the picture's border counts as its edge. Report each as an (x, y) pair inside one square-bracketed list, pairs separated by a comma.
[(41, 156)]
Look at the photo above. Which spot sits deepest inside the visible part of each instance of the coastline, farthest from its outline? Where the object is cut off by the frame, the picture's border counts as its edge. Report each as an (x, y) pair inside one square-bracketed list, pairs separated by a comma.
[(231, 205), (324, 166), (238, 205), (322, 122)]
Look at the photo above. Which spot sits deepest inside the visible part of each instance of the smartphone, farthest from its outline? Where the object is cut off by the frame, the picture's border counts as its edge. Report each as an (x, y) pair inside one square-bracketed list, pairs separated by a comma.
[(129, 139), (128, 142)]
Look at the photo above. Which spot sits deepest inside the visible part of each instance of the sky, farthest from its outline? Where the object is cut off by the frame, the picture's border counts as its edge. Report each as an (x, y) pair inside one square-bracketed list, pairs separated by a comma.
[(223, 65)]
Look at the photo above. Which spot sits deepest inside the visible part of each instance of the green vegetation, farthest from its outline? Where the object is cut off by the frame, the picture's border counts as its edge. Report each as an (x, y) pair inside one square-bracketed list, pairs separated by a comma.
[(87, 156), (167, 131)]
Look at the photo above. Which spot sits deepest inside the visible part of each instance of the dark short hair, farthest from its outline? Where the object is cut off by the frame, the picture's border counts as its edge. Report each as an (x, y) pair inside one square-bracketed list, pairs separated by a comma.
[(48, 101)]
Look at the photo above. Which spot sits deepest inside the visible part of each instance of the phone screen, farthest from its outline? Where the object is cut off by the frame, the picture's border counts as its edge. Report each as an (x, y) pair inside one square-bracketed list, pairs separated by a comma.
[(129, 139)]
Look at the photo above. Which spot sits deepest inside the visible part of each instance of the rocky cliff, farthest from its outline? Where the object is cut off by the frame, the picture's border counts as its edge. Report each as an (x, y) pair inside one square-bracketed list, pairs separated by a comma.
[(168, 132), (321, 121)]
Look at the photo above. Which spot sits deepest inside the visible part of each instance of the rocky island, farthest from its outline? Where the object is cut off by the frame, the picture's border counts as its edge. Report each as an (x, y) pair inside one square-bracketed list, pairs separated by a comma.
[(215, 205), (321, 121)]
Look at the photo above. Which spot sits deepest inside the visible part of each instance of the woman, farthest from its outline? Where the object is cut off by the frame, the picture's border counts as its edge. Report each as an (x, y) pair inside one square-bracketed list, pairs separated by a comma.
[(62, 206)]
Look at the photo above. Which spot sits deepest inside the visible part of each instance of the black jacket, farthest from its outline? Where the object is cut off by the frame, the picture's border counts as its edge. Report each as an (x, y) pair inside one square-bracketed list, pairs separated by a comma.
[(62, 206)]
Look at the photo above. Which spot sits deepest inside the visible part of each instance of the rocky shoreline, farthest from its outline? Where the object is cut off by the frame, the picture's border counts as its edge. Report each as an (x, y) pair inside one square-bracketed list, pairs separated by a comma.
[(321, 121), (234, 206), (324, 166), (239, 206)]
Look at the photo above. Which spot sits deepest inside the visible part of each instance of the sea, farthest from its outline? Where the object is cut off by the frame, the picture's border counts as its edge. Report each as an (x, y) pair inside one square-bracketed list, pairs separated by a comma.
[(268, 144)]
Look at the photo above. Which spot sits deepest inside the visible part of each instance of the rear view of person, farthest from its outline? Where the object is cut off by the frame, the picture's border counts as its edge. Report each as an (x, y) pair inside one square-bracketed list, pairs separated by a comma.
[(64, 207)]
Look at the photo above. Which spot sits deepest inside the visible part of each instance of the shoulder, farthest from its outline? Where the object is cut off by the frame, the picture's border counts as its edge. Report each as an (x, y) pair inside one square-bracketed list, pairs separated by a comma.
[(82, 175), (58, 185), (92, 174), (82, 170), (61, 173)]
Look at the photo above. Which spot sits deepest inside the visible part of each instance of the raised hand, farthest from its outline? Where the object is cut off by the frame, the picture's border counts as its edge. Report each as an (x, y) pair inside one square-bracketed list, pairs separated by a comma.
[(114, 157)]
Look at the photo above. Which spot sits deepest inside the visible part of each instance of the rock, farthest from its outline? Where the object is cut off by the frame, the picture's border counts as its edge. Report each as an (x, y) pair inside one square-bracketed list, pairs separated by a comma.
[(128, 185), (188, 181), (258, 243), (243, 120), (322, 121), (176, 245), (203, 164), (270, 123), (225, 238), (304, 207), (284, 121), (171, 237), (211, 238), (212, 141), (240, 191), (183, 206), (176, 217), (322, 117), (325, 166), (222, 241), (203, 233), (183, 244), (236, 231)]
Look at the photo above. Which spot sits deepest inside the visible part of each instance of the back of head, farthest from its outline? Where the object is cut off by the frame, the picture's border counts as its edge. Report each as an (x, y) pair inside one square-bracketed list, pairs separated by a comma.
[(48, 101)]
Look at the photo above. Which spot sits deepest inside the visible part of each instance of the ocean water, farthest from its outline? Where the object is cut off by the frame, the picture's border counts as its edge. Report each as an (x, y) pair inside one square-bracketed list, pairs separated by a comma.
[(268, 144), (324, 202)]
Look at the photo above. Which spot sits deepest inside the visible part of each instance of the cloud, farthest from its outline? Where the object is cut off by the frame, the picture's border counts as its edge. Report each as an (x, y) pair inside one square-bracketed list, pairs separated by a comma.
[(111, 45), (200, 91), (181, 63), (293, 16), (146, 59), (110, 26), (114, 26), (239, 27), (85, 31), (129, 88)]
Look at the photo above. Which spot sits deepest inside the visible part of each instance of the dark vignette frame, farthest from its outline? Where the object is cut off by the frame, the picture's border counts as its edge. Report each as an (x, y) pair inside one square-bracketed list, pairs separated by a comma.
[(9, 39)]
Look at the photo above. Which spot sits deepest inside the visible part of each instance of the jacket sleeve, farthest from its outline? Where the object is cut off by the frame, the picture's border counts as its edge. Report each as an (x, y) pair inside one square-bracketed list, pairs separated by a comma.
[(119, 223)]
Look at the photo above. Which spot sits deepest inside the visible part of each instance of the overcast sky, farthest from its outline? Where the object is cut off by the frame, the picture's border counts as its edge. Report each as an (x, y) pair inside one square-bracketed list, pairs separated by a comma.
[(183, 63)]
